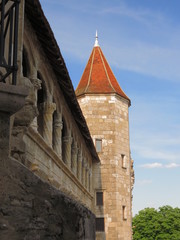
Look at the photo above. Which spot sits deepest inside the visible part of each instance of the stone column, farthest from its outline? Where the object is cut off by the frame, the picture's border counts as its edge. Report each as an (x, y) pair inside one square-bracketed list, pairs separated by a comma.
[(90, 180), (79, 165), (48, 109), (37, 85), (12, 98), (87, 178), (74, 158), (67, 142), (57, 138), (84, 172)]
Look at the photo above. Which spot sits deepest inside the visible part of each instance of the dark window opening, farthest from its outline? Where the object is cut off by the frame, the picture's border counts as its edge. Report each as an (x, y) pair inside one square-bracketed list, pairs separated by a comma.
[(54, 131), (99, 224), (64, 130), (41, 98), (25, 63), (99, 198)]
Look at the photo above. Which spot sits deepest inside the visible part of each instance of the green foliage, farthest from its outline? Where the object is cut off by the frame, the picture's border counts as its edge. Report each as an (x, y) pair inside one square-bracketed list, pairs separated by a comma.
[(161, 224)]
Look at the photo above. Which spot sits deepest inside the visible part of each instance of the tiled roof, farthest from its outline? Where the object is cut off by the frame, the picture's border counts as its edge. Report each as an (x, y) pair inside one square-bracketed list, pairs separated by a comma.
[(98, 77)]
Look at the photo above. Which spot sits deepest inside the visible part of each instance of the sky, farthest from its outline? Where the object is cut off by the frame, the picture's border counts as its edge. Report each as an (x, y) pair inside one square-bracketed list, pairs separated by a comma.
[(141, 41)]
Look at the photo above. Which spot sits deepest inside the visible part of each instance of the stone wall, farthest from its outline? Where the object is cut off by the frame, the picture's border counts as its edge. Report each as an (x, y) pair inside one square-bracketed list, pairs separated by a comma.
[(45, 135), (107, 118), (44, 162), (31, 209)]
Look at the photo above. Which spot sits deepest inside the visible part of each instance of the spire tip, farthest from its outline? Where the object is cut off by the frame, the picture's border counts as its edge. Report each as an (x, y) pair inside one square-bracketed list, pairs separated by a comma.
[(96, 44)]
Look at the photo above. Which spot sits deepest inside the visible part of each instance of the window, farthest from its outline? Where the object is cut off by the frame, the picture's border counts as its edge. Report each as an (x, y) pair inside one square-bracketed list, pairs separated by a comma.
[(41, 98), (124, 209), (99, 224), (124, 161), (25, 63), (99, 198), (98, 144)]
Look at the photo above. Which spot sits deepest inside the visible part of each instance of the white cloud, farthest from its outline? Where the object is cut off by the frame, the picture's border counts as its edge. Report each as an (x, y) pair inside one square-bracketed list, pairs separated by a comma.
[(155, 55), (150, 151), (145, 58), (143, 182), (155, 131), (160, 165), (172, 165), (152, 165), (142, 15)]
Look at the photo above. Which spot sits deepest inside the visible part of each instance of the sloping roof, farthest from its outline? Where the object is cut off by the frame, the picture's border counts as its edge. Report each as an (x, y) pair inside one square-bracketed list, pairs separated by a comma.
[(48, 42), (98, 76)]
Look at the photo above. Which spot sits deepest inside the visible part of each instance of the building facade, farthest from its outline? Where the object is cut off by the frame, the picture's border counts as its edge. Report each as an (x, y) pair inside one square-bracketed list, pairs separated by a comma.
[(49, 135), (78, 143), (105, 107)]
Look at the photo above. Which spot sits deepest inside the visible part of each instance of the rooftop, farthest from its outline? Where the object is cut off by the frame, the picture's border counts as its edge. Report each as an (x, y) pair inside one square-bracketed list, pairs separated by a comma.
[(98, 77)]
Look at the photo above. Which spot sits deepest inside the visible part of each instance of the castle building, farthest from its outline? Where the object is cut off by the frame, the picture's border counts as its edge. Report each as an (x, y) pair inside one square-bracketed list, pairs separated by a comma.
[(105, 107), (76, 143), (47, 135)]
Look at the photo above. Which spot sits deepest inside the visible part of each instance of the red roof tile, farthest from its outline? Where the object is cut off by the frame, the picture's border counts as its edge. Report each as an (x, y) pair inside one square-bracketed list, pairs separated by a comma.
[(98, 77)]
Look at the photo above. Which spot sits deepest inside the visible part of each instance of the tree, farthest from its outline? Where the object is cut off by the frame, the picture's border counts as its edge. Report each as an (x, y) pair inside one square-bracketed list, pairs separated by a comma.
[(161, 224)]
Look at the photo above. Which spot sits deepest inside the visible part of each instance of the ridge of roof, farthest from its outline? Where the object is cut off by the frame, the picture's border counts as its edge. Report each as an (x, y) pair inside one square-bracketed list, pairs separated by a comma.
[(98, 77)]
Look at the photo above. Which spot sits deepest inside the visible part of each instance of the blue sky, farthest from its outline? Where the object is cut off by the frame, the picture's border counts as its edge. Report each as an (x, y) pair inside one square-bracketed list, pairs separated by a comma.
[(141, 41)]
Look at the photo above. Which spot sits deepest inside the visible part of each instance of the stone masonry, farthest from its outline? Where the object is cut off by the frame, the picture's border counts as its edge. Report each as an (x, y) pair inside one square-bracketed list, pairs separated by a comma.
[(107, 118), (31, 209), (105, 107)]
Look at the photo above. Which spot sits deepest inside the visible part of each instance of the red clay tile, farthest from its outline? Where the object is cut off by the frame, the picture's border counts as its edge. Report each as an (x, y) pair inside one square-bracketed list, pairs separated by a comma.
[(98, 77)]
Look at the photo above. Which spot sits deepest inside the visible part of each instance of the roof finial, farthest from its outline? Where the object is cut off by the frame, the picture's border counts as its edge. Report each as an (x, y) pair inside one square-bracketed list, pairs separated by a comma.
[(96, 44)]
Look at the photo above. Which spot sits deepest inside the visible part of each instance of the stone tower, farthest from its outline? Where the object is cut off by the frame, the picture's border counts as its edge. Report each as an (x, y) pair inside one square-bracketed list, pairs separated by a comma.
[(105, 107)]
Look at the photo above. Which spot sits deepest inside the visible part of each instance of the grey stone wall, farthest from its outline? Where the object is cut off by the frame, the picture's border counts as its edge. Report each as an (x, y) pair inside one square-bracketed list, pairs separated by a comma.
[(31, 209)]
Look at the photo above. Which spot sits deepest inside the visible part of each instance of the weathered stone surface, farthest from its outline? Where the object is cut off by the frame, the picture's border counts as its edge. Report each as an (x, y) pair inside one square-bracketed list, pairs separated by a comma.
[(107, 118), (31, 209), (12, 97)]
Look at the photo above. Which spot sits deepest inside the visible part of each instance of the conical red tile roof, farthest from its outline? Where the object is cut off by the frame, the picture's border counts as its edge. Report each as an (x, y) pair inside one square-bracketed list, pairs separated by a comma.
[(98, 77)]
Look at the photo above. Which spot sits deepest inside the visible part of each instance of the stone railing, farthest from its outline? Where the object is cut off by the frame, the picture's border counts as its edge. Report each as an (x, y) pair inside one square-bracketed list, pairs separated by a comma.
[(73, 176)]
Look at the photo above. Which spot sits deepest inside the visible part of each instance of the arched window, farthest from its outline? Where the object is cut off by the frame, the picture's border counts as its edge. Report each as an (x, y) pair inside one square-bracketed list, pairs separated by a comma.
[(41, 98)]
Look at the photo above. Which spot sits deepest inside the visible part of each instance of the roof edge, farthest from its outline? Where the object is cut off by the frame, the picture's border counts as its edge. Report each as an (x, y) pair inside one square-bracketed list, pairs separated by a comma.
[(110, 93), (38, 20)]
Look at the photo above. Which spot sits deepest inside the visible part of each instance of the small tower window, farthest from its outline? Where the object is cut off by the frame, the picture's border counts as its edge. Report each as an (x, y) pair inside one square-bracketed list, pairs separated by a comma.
[(99, 224), (124, 209), (98, 145), (99, 198), (124, 161)]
